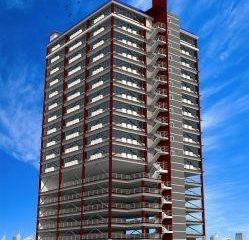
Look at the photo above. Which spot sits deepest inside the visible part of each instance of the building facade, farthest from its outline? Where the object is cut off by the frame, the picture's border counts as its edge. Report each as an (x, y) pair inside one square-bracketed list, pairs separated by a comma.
[(214, 237), (17, 237), (121, 153), (238, 236)]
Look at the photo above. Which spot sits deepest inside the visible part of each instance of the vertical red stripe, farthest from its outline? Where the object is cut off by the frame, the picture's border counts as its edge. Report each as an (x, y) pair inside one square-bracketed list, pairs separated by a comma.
[(61, 145), (84, 140), (146, 168), (111, 128)]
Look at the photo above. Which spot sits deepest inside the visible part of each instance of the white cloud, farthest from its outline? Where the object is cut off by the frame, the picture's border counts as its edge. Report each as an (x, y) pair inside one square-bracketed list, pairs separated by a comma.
[(220, 37), (20, 113), (19, 4), (218, 121), (224, 110)]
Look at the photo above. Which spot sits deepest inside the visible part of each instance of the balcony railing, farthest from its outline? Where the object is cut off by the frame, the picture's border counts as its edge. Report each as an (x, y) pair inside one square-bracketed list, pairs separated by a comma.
[(115, 176), (101, 192), (119, 221), (96, 207), (105, 236)]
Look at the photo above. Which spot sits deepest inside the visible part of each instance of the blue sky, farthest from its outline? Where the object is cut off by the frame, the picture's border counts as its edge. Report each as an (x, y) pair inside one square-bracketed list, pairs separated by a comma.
[(223, 28)]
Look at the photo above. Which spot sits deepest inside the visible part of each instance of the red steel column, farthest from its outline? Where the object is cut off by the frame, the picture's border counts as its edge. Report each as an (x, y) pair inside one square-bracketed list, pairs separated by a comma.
[(143, 205), (61, 145), (84, 140), (110, 128), (146, 169)]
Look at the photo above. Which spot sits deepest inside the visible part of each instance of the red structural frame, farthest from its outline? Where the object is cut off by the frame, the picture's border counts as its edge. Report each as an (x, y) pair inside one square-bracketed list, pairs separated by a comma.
[(85, 114), (146, 167), (159, 13), (61, 143), (111, 127)]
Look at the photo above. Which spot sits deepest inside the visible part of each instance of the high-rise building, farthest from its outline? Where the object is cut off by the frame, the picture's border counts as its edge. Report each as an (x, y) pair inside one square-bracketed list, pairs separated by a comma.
[(29, 238), (17, 237), (121, 154), (214, 237), (238, 236)]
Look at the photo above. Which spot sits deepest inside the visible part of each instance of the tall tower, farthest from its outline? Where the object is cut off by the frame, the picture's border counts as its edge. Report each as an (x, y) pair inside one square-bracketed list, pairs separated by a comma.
[(121, 140), (238, 236), (17, 237)]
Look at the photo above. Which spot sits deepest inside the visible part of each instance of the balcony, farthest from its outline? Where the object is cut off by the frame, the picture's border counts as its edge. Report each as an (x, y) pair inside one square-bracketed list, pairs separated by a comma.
[(129, 45), (131, 86), (130, 143), (120, 222), (189, 55), (130, 128), (191, 168), (148, 177), (126, 157), (192, 220), (97, 193), (194, 233), (191, 195), (133, 72), (132, 114), (132, 33), (104, 236), (130, 99), (189, 45), (190, 183), (189, 91), (130, 59), (193, 208)]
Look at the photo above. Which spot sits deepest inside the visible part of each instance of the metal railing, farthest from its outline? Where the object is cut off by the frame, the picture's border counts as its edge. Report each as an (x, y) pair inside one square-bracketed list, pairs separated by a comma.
[(95, 222), (121, 206), (105, 236), (103, 177), (98, 192)]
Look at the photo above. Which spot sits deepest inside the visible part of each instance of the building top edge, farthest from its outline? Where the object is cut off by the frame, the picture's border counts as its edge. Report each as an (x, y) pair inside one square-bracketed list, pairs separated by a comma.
[(188, 33), (171, 14), (88, 16)]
